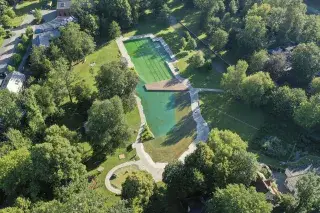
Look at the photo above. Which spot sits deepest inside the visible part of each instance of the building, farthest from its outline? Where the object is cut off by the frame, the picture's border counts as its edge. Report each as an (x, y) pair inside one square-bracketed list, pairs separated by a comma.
[(294, 175), (45, 38), (63, 7), (14, 82)]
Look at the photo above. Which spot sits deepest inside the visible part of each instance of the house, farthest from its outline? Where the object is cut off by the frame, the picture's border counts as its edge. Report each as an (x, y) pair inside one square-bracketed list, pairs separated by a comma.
[(63, 7), (44, 39), (14, 82), (294, 175)]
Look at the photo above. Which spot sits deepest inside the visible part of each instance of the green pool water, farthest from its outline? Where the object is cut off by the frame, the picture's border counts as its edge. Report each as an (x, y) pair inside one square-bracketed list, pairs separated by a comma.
[(149, 59)]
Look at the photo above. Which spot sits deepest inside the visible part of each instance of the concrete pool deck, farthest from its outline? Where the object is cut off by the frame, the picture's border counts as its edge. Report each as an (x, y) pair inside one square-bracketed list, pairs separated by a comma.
[(146, 163), (167, 85)]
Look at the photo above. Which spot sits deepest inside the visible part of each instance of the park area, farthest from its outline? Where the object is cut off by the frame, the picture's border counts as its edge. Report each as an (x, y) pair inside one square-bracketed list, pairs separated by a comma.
[(169, 114)]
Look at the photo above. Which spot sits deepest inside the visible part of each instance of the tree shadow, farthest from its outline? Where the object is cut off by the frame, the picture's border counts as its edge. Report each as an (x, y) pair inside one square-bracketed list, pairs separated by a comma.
[(186, 127), (180, 101)]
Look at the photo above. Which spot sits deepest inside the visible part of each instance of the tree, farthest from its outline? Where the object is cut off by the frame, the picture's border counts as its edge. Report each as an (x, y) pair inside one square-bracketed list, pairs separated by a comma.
[(55, 163), (21, 48), (285, 100), (305, 62), (197, 60), (114, 30), (61, 131), (232, 80), (258, 61), (219, 39), (232, 163), (311, 31), (238, 198), (29, 31), (276, 65), (14, 172), (255, 87), (37, 16), (233, 7), (116, 79), (307, 114), (164, 14), (11, 112), (10, 12), (184, 43), (182, 181), (308, 193), (84, 94), (106, 126), (16, 140), (40, 65), (16, 59), (2, 32), (192, 44), (137, 189), (253, 36), (121, 11), (315, 85), (76, 44), (6, 21)]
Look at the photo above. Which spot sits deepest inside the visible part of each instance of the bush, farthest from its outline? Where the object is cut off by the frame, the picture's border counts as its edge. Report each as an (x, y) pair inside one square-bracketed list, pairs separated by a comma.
[(197, 60), (6, 21), (146, 134), (8, 34), (2, 32), (10, 68), (184, 43), (16, 59), (24, 39), (274, 147), (114, 30), (21, 48), (29, 31), (9, 12), (192, 44), (188, 36), (37, 16)]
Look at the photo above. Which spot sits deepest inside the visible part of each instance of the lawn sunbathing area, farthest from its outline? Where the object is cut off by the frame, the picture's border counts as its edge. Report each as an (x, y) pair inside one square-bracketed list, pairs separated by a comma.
[(121, 175)]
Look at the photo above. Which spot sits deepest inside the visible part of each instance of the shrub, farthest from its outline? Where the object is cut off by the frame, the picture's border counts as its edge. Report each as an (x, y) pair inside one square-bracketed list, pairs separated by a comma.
[(9, 12), (21, 48), (8, 34), (192, 44), (114, 30), (146, 134), (274, 147), (10, 68), (6, 21), (37, 16), (2, 32), (184, 43), (16, 59), (197, 60), (24, 39), (188, 36), (29, 31)]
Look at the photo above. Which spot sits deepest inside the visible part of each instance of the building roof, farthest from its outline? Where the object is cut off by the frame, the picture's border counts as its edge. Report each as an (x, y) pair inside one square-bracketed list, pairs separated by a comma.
[(44, 39), (63, 4), (294, 175), (14, 82)]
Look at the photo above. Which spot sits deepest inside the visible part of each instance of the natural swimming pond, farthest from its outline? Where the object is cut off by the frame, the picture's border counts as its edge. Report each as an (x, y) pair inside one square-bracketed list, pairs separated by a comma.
[(168, 114)]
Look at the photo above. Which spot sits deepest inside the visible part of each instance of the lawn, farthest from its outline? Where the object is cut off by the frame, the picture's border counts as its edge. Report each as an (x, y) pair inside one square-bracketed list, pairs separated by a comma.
[(104, 54), (169, 147), (23, 9), (122, 174)]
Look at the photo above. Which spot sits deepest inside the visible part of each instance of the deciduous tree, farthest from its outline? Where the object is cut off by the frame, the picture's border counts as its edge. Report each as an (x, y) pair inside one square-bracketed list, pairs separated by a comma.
[(11, 112)]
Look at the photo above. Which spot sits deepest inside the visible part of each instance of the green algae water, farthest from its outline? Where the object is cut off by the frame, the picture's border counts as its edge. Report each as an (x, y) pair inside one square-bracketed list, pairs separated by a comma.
[(149, 59)]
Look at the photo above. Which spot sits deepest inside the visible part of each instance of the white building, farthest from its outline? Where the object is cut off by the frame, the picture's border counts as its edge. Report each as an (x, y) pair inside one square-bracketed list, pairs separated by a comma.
[(14, 82)]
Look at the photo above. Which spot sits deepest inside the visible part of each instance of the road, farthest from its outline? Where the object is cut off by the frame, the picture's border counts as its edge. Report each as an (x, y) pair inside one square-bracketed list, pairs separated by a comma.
[(8, 46)]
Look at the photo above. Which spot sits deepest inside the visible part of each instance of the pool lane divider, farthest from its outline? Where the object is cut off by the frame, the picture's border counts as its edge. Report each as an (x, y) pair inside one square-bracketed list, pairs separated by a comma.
[(146, 163)]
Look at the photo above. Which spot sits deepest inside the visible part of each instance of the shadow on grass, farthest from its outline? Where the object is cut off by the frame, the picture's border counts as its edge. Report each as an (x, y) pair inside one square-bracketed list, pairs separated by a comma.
[(26, 9), (179, 101), (186, 127)]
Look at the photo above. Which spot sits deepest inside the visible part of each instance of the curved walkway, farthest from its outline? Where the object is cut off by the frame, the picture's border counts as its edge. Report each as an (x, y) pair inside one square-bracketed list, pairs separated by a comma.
[(146, 163)]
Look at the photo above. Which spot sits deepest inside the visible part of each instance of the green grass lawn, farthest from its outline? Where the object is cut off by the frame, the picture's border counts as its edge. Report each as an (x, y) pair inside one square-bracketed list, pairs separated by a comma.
[(169, 147), (22, 9), (122, 174)]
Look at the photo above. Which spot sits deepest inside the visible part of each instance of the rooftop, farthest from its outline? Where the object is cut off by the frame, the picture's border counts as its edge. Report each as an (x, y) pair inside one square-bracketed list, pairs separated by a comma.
[(44, 39), (63, 4), (14, 82)]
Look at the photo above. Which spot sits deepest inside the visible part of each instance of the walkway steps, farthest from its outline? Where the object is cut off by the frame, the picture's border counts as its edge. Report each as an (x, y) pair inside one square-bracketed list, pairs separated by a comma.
[(173, 85)]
